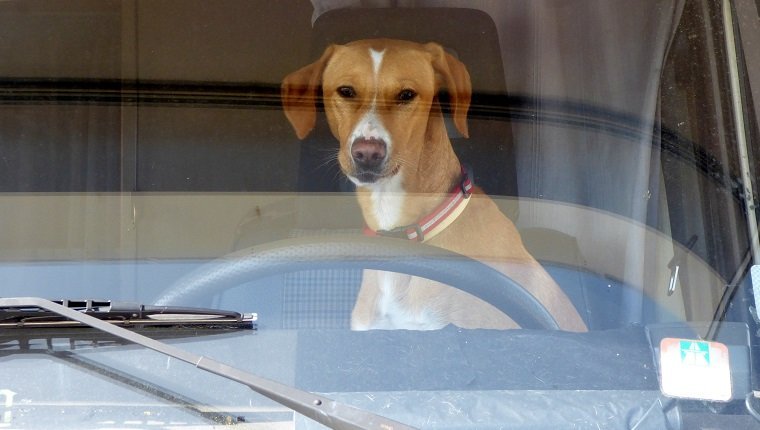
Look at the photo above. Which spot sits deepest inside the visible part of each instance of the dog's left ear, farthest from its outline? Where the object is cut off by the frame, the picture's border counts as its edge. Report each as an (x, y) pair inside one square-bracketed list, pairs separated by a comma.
[(299, 93), (454, 76)]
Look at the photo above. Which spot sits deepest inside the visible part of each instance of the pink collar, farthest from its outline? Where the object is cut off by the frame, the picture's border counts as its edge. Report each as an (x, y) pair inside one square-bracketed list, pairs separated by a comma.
[(435, 222)]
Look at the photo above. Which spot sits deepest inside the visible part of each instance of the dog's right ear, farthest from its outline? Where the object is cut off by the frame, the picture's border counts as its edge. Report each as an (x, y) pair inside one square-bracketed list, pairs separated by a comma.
[(299, 94)]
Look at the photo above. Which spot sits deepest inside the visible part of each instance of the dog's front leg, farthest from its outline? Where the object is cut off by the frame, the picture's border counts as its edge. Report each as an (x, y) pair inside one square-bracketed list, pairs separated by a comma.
[(365, 310)]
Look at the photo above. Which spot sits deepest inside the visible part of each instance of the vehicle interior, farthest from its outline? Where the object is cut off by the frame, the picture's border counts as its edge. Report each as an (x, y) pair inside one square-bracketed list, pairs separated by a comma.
[(138, 142), (142, 139)]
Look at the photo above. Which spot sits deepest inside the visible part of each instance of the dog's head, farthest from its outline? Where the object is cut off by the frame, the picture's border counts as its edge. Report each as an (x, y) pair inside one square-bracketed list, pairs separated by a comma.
[(378, 96)]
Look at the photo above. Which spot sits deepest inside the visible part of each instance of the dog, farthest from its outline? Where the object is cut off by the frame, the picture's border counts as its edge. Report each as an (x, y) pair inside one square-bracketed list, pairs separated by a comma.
[(381, 100)]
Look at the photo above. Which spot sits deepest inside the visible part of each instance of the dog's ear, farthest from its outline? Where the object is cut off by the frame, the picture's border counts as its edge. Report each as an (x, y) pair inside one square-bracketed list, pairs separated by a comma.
[(299, 92), (454, 76)]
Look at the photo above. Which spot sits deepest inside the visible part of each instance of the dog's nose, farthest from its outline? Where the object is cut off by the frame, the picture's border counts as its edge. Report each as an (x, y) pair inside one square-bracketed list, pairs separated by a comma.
[(368, 153)]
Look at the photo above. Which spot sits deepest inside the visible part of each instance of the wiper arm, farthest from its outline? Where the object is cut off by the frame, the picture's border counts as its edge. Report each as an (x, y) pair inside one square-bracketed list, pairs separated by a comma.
[(321, 409), (125, 314)]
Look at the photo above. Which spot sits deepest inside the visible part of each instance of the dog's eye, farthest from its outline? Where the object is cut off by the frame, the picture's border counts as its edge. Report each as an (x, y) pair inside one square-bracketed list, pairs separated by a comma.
[(405, 96), (347, 92)]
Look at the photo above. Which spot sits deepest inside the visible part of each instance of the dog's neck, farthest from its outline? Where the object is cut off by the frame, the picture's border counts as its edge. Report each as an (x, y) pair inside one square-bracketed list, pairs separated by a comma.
[(418, 188)]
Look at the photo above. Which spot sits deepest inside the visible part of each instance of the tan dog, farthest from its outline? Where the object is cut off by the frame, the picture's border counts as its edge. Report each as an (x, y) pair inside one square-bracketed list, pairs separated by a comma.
[(381, 102)]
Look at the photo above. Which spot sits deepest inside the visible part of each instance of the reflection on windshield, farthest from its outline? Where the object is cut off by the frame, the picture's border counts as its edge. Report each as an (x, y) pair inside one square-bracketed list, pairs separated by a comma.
[(599, 156)]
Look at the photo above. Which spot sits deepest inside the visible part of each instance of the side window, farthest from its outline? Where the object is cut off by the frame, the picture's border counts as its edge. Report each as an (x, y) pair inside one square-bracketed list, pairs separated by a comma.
[(698, 137)]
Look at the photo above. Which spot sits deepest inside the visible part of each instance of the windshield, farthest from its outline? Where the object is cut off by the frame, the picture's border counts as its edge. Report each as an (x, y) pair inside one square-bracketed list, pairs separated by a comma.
[(422, 202)]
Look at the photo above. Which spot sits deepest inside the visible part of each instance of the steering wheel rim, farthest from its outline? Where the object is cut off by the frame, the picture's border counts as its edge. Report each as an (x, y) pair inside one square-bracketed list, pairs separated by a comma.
[(359, 252)]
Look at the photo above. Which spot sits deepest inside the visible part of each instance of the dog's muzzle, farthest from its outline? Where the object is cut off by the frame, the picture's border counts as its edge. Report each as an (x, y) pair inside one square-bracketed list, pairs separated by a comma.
[(369, 156)]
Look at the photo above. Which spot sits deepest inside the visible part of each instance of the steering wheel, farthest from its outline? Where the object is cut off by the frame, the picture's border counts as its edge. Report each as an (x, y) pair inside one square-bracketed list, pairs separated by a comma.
[(359, 252)]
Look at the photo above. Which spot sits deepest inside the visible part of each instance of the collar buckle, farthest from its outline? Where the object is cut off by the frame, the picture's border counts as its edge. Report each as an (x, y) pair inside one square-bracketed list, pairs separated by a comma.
[(405, 232), (466, 183)]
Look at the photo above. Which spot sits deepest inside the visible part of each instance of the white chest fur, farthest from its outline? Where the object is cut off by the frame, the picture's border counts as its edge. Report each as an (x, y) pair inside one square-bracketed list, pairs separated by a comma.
[(394, 308), (387, 198)]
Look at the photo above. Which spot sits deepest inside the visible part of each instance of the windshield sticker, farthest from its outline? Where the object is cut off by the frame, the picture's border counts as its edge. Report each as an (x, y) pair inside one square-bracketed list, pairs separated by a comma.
[(695, 369)]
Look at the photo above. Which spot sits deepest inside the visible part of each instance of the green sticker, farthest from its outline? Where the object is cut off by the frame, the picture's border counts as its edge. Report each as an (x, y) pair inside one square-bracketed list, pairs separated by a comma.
[(695, 353)]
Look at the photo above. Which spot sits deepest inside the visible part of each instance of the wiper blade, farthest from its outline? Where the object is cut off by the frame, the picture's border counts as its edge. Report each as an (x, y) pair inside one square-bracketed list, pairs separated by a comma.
[(325, 411), (126, 314)]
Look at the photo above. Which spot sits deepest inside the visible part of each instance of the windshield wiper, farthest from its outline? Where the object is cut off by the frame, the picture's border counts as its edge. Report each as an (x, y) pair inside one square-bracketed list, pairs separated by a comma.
[(321, 409), (126, 314)]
